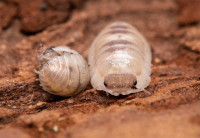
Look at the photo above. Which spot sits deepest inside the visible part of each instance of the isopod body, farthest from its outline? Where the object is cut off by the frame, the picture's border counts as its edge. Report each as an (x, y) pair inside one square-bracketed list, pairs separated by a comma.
[(62, 71), (120, 60)]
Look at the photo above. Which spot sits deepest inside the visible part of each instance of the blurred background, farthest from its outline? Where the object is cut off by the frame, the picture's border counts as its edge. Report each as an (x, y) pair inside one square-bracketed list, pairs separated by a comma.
[(171, 27)]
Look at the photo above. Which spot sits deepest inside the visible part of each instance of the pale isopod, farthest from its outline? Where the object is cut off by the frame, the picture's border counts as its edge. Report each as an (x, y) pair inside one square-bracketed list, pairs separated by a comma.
[(120, 60), (63, 71)]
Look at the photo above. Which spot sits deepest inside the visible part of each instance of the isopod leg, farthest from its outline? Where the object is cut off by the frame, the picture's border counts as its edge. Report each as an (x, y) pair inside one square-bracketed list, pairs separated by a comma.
[(102, 88), (36, 71), (38, 49), (136, 91), (148, 92)]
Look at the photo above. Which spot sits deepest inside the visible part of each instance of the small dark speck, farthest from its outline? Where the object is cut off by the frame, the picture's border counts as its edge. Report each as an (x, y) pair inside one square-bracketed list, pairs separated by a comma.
[(164, 61), (178, 74), (43, 6), (153, 74), (70, 68), (162, 75)]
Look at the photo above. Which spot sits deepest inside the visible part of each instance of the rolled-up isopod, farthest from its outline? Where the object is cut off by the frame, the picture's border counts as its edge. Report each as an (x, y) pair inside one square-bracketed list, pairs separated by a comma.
[(63, 71)]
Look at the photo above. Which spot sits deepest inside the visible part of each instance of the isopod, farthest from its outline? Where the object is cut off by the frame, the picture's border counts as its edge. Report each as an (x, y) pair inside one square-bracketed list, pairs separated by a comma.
[(62, 71), (120, 60)]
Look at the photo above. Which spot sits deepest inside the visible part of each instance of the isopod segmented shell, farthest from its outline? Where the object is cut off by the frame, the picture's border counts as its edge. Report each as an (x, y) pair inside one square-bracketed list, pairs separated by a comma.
[(63, 71), (120, 60)]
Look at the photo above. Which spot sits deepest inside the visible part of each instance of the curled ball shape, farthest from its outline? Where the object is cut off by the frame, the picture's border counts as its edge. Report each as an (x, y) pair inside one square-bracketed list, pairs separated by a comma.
[(63, 71)]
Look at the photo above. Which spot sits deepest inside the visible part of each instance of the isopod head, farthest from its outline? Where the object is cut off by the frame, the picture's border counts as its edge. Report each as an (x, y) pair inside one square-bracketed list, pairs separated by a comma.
[(63, 71)]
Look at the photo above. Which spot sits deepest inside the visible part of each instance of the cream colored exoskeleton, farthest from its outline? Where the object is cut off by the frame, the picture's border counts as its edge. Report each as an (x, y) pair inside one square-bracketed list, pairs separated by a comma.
[(120, 60), (63, 71)]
